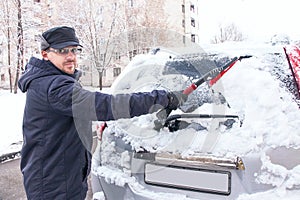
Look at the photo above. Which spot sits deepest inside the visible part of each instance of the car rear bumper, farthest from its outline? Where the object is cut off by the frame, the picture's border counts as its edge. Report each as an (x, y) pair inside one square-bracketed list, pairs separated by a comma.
[(206, 178)]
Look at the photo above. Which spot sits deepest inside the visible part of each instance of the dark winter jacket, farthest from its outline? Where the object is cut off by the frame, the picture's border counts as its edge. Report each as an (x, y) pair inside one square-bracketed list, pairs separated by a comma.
[(55, 158)]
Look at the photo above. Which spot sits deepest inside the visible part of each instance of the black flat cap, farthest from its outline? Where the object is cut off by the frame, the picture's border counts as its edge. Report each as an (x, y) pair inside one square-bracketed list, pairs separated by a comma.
[(59, 37)]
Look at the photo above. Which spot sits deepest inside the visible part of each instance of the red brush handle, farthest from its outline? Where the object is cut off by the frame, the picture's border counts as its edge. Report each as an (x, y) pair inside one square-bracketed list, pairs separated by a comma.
[(215, 79), (190, 89)]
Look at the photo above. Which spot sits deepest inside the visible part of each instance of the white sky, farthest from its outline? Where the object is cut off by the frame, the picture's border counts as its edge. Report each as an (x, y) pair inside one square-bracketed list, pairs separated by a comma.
[(256, 19)]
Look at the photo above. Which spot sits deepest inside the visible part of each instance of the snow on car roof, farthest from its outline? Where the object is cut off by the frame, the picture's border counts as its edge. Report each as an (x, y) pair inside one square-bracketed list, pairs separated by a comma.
[(268, 111)]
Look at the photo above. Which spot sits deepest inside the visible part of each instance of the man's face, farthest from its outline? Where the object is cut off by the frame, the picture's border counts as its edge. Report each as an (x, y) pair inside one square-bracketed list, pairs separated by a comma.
[(64, 59)]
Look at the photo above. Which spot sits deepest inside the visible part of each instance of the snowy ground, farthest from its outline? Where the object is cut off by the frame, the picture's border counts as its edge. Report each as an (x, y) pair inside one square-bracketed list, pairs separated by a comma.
[(11, 107), (271, 114)]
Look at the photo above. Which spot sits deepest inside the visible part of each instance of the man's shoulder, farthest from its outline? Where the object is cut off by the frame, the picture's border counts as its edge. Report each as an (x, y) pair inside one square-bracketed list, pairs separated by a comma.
[(59, 80)]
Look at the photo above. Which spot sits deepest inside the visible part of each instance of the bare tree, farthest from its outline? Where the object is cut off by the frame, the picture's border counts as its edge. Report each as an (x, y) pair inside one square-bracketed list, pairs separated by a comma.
[(228, 33), (99, 36), (6, 28)]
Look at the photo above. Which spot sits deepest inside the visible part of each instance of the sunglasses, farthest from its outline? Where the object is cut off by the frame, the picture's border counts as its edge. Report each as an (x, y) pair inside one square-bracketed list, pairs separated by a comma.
[(65, 51)]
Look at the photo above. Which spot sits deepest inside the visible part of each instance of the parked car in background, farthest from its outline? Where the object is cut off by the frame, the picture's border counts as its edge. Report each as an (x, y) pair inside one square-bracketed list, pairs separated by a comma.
[(231, 140)]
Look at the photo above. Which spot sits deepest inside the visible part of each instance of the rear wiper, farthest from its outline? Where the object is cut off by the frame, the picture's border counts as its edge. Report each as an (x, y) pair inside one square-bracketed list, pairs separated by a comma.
[(174, 124)]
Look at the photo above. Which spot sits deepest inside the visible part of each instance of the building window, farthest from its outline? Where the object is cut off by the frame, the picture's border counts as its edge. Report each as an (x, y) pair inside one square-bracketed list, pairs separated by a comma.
[(193, 38), (84, 69), (130, 3), (134, 53), (114, 7), (117, 56), (37, 38), (146, 50), (101, 56), (192, 8), (130, 55), (183, 23), (183, 8), (102, 41), (117, 71), (132, 37), (50, 12), (100, 10), (193, 22)]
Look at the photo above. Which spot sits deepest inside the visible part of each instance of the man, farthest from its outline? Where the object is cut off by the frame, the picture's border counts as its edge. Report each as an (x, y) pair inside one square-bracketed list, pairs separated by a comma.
[(57, 119)]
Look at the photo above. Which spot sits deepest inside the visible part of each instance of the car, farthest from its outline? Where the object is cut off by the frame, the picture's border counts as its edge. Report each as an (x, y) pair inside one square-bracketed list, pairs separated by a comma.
[(236, 135)]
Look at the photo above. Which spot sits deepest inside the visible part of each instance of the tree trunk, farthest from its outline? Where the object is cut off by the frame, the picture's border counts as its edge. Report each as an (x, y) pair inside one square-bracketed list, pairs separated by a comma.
[(10, 79), (100, 80), (20, 48), (8, 55)]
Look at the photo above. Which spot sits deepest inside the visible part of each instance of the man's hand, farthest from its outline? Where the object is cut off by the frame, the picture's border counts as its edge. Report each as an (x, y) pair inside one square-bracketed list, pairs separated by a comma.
[(176, 99)]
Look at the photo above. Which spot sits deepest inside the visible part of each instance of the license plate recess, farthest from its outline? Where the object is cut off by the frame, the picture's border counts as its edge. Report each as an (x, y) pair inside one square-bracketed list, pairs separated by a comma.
[(203, 180)]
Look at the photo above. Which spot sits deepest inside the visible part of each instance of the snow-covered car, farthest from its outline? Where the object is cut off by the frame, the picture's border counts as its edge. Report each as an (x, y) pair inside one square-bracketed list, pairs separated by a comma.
[(281, 39), (237, 138)]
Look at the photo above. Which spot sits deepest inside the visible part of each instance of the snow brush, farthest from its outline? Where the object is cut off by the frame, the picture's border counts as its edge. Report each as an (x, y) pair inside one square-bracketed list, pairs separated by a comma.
[(293, 57), (212, 77)]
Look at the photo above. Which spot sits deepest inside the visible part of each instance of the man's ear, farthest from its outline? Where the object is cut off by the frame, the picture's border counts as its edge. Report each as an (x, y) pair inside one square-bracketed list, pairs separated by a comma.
[(44, 55)]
